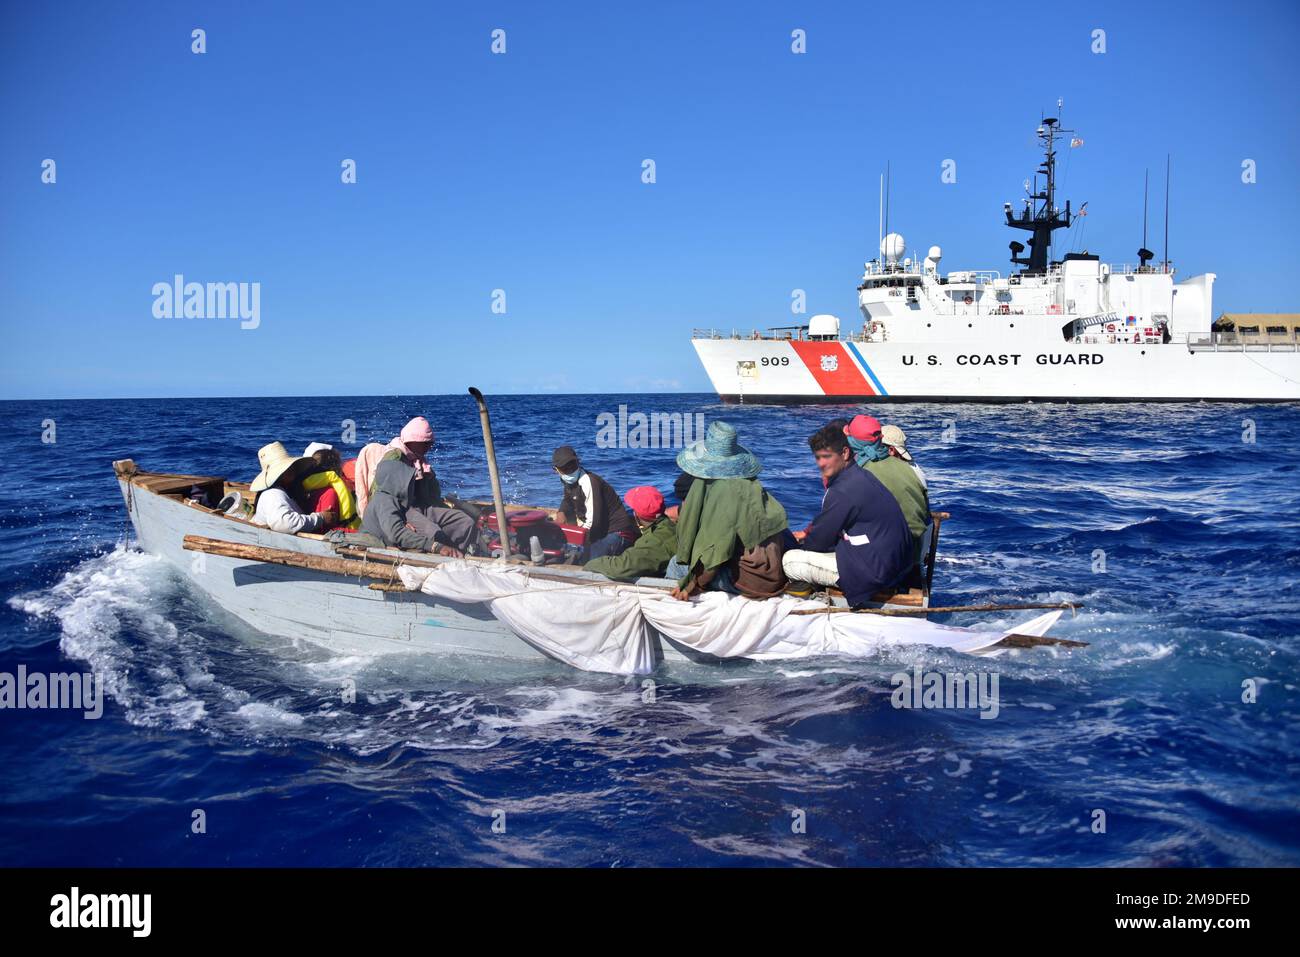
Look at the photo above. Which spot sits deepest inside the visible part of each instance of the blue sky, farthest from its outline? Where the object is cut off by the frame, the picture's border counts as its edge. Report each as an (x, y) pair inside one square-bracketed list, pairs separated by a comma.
[(522, 172)]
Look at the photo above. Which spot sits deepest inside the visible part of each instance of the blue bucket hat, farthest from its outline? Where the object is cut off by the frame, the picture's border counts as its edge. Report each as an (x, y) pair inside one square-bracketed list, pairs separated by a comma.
[(719, 456)]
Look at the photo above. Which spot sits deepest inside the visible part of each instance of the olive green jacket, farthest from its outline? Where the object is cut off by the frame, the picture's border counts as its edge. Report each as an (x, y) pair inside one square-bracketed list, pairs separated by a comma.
[(900, 478), (648, 557)]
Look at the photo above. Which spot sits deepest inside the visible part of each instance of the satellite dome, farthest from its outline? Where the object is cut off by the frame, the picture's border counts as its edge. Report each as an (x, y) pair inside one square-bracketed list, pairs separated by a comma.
[(891, 247), (935, 253), (824, 326)]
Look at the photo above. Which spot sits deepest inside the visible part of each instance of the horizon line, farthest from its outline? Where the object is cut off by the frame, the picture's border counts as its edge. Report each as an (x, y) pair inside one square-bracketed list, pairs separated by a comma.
[(341, 395)]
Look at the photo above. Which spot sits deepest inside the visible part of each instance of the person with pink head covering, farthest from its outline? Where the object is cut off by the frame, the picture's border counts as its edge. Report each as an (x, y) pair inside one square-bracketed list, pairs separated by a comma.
[(364, 476), (416, 514), (414, 443)]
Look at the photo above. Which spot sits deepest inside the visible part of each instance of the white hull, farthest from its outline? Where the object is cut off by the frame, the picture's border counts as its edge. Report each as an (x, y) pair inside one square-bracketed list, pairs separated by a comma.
[(450, 604), (1009, 370), (341, 614)]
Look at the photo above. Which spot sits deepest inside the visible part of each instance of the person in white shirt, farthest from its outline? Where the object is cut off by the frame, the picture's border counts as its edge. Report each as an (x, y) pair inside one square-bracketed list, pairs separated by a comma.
[(277, 506)]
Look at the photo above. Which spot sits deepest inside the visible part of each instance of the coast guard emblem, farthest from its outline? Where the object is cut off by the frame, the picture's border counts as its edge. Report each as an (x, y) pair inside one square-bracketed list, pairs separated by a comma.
[(830, 363)]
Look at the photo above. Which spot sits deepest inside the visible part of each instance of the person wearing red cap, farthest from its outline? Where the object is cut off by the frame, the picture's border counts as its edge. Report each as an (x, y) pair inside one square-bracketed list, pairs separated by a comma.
[(649, 555)]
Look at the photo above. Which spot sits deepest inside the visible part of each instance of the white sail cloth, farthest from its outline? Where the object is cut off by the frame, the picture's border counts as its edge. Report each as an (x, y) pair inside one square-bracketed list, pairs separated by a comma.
[(598, 625)]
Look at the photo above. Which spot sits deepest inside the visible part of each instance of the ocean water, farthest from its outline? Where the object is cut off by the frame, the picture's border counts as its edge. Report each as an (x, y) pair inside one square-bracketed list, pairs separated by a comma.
[(1178, 534)]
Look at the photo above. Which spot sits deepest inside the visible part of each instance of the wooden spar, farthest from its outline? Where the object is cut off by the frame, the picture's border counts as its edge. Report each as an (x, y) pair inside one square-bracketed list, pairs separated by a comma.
[(929, 611), (379, 568), (347, 567), (503, 527)]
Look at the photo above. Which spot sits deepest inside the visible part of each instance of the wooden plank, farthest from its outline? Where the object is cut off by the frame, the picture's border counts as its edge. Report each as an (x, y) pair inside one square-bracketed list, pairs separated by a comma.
[(944, 609), (1037, 641)]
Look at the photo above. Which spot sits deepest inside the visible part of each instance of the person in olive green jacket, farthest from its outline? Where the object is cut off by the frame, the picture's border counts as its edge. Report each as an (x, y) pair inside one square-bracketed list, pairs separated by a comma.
[(650, 554), (864, 435)]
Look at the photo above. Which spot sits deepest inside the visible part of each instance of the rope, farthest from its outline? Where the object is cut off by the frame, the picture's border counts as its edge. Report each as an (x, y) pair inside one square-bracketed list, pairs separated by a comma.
[(939, 610), (130, 506)]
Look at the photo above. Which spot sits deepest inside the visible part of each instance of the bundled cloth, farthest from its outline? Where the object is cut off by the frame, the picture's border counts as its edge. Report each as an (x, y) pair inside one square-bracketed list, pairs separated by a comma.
[(719, 513), (611, 627)]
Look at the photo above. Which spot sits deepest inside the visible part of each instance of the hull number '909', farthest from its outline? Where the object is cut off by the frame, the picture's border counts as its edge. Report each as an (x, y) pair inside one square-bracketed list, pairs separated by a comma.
[(775, 361)]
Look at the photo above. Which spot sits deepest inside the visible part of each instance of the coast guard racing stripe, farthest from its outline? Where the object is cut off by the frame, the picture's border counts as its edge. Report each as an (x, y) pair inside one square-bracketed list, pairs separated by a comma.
[(863, 362), (830, 365)]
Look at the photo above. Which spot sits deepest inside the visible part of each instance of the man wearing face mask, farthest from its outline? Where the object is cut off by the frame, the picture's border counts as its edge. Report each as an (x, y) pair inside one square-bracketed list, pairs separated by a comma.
[(592, 504)]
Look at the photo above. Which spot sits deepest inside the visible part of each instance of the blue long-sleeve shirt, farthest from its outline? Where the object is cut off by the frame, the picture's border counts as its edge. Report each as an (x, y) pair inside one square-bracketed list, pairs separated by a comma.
[(862, 523)]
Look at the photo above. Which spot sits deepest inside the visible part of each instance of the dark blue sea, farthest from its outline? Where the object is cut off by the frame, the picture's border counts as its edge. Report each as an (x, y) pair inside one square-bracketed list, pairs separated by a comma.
[(1175, 525)]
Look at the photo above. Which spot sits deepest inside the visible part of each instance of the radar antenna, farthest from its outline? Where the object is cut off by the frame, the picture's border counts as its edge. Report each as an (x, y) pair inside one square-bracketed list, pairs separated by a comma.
[(1040, 217)]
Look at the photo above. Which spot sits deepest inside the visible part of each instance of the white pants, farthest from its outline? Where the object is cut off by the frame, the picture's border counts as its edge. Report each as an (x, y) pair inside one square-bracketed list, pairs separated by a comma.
[(817, 567)]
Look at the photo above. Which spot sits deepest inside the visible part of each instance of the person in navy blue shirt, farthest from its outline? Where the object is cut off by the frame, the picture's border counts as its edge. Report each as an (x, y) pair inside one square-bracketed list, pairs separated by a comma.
[(860, 541)]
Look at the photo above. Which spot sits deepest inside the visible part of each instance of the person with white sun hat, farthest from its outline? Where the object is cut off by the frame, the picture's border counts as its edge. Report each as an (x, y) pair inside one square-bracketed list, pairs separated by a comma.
[(281, 499)]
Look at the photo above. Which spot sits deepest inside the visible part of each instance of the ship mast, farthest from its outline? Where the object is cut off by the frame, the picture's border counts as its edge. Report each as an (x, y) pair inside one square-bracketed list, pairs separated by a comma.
[(1040, 216)]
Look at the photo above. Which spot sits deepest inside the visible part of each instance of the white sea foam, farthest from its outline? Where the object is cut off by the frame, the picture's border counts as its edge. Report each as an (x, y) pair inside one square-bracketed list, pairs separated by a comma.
[(261, 715)]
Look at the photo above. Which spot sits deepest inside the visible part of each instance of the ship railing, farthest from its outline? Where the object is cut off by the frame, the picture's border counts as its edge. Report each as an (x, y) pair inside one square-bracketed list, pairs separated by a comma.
[(776, 334), (1215, 341), (1137, 269), (877, 268), (977, 276)]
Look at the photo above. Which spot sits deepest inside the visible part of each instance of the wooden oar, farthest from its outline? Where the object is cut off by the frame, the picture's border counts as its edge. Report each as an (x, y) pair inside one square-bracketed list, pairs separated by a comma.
[(380, 568), (933, 610)]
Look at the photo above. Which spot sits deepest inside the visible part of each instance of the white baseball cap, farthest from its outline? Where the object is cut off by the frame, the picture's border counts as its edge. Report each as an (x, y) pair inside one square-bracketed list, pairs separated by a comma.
[(893, 435)]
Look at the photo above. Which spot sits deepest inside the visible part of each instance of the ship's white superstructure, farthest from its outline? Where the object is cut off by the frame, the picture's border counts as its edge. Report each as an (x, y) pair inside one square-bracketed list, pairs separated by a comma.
[(1077, 329)]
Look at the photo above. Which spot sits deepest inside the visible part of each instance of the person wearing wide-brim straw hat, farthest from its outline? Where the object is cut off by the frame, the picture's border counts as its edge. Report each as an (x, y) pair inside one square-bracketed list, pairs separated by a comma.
[(731, 532), (719, 455), (276, 461), (277, 509)]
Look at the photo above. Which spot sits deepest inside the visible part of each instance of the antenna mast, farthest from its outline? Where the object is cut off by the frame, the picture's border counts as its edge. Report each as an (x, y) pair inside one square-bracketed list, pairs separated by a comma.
[(881, 242), (1042, 219), (1166, 212), (888, 192), (1146, 185)]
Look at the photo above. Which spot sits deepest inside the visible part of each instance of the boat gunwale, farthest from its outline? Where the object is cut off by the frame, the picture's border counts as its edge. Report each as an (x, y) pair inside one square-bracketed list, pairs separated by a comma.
[(127, 471)]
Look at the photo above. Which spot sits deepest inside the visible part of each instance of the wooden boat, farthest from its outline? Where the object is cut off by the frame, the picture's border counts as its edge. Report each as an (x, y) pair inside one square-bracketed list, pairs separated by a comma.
[(348, 598)]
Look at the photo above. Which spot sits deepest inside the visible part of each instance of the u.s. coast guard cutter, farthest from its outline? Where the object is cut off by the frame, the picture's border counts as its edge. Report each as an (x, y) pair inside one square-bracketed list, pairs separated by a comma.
[(1074, 329)]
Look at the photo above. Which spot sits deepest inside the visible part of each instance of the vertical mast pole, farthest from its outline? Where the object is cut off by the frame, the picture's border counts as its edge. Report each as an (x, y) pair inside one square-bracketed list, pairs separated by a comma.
[(1166, 212)]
